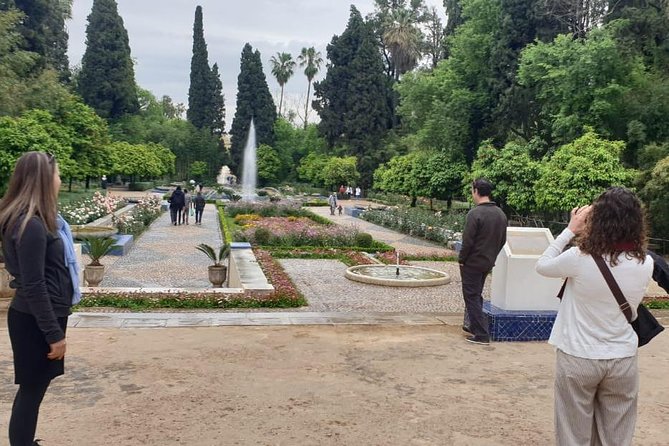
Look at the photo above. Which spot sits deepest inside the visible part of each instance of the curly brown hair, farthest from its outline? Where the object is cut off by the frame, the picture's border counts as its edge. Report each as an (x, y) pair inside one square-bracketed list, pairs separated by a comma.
[(616, 225)]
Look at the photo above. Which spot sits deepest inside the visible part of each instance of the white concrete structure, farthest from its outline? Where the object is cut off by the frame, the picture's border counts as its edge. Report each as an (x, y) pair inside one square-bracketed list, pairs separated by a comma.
[(515, 283)]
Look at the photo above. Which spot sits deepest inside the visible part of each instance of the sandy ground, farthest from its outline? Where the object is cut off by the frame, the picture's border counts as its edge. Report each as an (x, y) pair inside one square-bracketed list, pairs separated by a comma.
[(316, 385)]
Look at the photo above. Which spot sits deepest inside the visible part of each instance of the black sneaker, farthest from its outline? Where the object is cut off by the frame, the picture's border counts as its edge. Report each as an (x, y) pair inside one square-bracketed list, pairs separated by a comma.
[(482, 340), (467, 329)]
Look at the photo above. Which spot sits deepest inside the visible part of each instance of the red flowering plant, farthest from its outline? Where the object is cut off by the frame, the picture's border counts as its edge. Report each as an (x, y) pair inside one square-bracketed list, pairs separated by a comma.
[(284, 288)]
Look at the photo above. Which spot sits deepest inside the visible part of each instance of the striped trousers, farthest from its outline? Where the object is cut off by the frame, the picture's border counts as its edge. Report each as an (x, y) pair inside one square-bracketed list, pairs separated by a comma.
[(595, 400)]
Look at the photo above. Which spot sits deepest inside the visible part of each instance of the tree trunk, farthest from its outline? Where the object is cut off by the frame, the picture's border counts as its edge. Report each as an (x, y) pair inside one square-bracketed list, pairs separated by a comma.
[(281, 100), (413, 201), (69, 186), (88, 183), (306, 106)]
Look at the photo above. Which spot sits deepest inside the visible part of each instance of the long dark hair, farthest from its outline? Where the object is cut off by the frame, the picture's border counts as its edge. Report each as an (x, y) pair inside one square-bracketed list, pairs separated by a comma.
[(615, 225), (31, 193)]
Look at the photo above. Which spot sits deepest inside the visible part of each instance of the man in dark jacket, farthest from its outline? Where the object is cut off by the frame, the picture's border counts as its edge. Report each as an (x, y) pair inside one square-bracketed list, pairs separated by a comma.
[(199, 203), (482, 239), (660, 271), (177, 201)]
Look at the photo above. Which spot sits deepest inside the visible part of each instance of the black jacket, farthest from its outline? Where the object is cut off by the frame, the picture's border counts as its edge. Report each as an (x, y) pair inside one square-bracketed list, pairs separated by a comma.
[(41, 277), (199, 202), (177, 200), (660, 271), (483, 237)]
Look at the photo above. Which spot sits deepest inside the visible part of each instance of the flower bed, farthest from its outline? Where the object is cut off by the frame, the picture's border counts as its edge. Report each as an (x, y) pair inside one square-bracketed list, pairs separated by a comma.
[(349, 257), (440, 227), (87, 210), (139, 218), (268, 209), (297, 231), (284, 288)]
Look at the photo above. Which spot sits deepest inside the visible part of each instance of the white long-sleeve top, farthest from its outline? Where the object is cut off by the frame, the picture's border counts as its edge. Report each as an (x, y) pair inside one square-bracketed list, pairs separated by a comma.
[(589, 323)]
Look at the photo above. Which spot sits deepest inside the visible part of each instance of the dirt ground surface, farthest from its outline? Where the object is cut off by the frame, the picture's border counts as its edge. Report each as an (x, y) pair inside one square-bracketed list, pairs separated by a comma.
[(310, 385)]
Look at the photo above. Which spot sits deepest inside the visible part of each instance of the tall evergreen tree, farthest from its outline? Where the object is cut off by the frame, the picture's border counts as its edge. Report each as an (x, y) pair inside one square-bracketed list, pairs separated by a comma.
[(218, 102), (43, 31), (200, 97), (107, 77), (254, 101), (354, 100)]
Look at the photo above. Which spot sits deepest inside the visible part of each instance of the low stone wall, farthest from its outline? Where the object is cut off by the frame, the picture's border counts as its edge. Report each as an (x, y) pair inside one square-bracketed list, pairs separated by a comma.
[(245, 272)]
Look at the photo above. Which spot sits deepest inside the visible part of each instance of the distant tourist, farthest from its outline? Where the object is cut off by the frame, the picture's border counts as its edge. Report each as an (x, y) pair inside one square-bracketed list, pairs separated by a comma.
[(358, 193), (176, 202), (188, 202), (482, 239), (39, 252), (332, 202), (199, 203), (342, 191), (349, 192), (596, 369), (339, 209)]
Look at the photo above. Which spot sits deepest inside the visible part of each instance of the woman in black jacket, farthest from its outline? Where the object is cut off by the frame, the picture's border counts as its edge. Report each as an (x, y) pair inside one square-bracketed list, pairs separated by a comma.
[(37, 257), (177, 202)]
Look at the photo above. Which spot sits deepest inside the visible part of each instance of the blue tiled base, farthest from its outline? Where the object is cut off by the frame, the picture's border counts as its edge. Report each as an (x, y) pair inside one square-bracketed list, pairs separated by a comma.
[(123, 244), (506, 325), (353, 212)]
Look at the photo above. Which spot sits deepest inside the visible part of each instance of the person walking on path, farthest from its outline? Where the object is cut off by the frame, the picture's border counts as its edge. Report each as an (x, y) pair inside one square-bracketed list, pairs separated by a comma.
[(39, 253), (358, 193), (483, 237), (596, 369), (199, 203), (176, 205), (188, 202), (332, 202)]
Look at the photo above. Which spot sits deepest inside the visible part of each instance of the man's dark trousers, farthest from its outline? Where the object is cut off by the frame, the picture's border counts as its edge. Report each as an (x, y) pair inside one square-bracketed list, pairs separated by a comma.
[(472, 290)]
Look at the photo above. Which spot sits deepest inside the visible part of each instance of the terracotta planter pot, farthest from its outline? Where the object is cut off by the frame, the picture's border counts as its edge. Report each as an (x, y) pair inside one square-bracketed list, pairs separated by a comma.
[(217, 275), (94, 274)]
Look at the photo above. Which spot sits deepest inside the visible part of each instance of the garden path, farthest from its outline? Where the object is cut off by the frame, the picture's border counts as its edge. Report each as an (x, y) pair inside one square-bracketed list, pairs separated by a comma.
[(399, 241), (165, 255)]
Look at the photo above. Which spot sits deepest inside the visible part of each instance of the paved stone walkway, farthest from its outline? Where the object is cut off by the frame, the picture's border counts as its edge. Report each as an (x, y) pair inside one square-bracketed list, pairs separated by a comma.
[(165, 255)]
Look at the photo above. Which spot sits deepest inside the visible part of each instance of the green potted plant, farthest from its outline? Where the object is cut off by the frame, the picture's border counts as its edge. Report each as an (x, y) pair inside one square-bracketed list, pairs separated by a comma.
[(217, 271), (97, 248)]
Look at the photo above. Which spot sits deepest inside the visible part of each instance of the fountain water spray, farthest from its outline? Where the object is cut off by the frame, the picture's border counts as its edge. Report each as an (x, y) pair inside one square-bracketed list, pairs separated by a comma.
[(249, 167)]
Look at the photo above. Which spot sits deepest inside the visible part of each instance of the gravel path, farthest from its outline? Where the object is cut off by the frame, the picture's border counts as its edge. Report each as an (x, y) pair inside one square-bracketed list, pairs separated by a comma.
[(326, 289), (165, 255)]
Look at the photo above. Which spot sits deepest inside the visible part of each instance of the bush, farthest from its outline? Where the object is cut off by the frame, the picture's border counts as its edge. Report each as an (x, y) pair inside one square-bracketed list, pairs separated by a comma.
[(315, 203), (262, 236), (441, 227), (363, 240), (262, 193), (140, 186)]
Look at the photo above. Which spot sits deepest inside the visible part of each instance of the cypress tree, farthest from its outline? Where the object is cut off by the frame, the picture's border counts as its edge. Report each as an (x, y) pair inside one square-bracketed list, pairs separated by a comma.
[(200, 100), (43, 30), (354, 100), (107, 78), (253, 101), (218, 102)]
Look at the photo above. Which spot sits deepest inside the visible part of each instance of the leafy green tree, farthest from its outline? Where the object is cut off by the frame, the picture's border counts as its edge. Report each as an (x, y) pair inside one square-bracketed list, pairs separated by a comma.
[(34, 130), (200, 97), (311, 61), (44, 32), (136, 161), (107, 78), (269, 165), (338, 171), (311, 168), (254, 101), (283, 67), (198, 169), (513, 172), (656, 194), (579, 171)]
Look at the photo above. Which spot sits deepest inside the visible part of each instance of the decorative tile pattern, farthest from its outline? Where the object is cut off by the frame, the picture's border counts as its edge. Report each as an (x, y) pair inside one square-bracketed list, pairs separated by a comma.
[(506, 325)]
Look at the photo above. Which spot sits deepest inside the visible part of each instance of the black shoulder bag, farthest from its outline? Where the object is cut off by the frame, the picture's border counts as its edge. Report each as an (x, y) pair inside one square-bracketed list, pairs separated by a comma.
[(645, 325)]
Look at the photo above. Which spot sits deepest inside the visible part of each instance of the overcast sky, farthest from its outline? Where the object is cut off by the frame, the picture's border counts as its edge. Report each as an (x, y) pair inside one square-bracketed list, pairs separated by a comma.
[(161, 39)]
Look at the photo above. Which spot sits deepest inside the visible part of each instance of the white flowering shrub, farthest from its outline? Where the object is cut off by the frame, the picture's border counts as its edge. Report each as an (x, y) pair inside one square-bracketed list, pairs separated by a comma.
[(89, 209)]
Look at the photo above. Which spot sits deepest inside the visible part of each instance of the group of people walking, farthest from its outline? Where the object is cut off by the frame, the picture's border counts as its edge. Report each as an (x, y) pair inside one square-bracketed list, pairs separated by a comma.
[(348, 192), (183, 205)]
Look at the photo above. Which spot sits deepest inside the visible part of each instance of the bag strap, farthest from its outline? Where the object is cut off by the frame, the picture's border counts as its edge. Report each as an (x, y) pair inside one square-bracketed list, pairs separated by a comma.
[(561, 292), (615, 289)]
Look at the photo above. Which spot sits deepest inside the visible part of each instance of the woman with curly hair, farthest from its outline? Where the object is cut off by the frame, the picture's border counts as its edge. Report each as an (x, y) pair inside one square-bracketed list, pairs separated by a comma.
[(596, 374)]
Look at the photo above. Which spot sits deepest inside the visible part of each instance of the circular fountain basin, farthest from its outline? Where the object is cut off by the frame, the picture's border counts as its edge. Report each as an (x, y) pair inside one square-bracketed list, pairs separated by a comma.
[(386, 275)]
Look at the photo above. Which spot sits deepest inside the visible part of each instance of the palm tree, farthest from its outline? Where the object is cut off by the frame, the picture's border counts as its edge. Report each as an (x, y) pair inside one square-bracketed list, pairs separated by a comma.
[(403, 39), (282, 69), (311, 60)]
